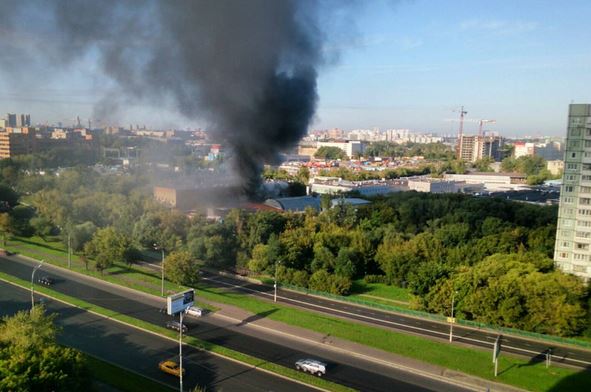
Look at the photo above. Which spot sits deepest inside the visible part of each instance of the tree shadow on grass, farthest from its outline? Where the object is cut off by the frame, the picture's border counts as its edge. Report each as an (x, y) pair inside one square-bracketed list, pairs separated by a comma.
[(30, 242), (257, 316)]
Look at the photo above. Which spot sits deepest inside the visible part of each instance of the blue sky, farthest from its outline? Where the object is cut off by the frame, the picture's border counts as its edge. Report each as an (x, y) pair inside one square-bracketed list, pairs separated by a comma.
[(519, 62), (406, 64)]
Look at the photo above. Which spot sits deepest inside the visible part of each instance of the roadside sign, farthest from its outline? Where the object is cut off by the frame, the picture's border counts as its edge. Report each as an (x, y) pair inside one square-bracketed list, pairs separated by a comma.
[(497, 348), (177, 303), (451, 320)]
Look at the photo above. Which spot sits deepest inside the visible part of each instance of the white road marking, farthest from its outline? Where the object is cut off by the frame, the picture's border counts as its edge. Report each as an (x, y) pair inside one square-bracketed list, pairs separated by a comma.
[(446, 334)]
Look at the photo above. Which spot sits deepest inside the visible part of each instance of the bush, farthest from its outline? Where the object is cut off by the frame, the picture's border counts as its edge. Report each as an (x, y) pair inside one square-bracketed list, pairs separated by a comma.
[(375, 279), (300, 279)]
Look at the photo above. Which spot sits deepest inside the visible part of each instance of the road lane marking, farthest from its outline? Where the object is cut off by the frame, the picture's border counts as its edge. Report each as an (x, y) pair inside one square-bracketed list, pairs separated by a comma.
[(429, 331)]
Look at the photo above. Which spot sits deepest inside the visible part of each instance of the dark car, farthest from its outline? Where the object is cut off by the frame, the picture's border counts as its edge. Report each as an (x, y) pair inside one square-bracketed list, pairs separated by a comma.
[(176, 326), (46, 280)]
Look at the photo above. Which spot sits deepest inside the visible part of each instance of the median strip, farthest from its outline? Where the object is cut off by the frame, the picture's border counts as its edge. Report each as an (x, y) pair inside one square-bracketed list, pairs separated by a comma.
[(221, 351)]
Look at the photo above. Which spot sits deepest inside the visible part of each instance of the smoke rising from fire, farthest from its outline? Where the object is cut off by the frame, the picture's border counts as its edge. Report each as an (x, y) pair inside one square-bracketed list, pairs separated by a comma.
[(248, 67)]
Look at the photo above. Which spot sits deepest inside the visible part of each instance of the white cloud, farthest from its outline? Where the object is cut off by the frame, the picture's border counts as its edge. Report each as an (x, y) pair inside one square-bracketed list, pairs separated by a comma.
[(498, 27)]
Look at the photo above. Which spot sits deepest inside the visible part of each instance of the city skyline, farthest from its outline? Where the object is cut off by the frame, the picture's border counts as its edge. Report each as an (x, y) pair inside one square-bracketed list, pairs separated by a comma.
[(399, 65)]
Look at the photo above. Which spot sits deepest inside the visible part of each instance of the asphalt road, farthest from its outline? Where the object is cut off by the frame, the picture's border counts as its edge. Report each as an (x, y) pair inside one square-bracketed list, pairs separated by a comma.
[(343, 369), (141, 351), (534, 350)]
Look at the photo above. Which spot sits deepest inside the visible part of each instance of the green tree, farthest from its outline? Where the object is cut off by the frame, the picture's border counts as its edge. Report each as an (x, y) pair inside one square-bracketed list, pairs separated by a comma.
[(181, 268), (109, 246), (8, 197), (31, 359), (331, 153), (42, 226)]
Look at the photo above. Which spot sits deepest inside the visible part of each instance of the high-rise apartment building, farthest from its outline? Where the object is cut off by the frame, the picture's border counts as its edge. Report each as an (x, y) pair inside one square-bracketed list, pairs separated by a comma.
[(18, 120), (16, 141), (572, 252), (473, 148)]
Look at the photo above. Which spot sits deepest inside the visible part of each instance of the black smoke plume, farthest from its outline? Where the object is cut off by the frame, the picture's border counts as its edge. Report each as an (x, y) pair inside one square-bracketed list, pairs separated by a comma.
[(248, 67)]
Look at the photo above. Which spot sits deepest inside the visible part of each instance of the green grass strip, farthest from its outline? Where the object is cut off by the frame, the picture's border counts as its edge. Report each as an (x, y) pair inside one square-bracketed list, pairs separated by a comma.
[(122, 379), (512, 371), (195, 342)]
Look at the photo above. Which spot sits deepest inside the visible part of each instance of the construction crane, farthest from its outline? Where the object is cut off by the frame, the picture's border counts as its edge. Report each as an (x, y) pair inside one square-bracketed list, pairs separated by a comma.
[(460, 133), (484, 122)]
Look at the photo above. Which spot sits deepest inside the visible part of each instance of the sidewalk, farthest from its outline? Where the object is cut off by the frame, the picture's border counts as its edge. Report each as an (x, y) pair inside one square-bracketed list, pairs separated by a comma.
[(243, 320)]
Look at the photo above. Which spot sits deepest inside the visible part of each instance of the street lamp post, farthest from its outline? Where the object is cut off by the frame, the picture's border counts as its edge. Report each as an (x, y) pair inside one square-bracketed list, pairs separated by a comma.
[(33, 283), (275, 282), (162, 269), (452, 321), (69, 251)]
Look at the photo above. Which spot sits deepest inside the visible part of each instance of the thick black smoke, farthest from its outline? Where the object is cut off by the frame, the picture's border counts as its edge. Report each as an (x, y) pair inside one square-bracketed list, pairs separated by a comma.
[(247, 66)]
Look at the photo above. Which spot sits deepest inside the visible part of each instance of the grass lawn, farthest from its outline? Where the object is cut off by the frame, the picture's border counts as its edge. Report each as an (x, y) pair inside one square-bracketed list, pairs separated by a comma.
[(122, 379), (380, 292), (531, 376)]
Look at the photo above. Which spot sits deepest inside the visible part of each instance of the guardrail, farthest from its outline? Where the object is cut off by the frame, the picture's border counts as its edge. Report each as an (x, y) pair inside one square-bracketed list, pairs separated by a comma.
[(438, 317)]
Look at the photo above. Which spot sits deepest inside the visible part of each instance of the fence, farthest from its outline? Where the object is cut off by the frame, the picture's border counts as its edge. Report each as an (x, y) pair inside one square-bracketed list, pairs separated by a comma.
[(438, 317)]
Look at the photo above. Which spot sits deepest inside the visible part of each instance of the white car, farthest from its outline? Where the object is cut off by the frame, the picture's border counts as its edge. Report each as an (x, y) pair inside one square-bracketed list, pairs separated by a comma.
[(311, 366), (195, 311)]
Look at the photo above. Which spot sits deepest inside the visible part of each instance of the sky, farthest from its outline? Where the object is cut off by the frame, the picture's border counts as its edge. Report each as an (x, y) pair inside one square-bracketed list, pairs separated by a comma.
[(406, 64)]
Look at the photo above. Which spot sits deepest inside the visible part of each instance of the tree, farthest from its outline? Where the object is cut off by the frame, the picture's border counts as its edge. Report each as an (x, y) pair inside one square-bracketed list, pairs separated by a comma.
[(19, 220), (31, 359), (4, 226), (181, 268), (8, 197), (330, 153), (108, 246), (42, 226)]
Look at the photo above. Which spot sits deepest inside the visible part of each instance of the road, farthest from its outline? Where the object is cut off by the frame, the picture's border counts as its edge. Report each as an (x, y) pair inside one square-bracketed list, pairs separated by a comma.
[(141, 351), (528, 348), (343, 369)]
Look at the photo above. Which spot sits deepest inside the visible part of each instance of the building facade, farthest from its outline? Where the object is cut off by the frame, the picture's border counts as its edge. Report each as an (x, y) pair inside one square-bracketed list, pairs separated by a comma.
[(473, 148), (572, 252), (17, 141)]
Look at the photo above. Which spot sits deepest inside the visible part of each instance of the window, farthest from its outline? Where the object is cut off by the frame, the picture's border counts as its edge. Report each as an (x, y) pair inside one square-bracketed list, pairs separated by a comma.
[(572, 166), (583, 234), (565, 244), (585, 189), (584, 201), (586, 166), (563, 255), (578, 256), (580, 246), (584, 212), (573, 155), (583, 223), (568, 188), (571, 177), (579, 268)]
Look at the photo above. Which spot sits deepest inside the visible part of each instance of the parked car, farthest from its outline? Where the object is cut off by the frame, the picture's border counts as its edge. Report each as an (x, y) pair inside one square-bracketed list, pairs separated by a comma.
[(176, 326), (171, 367), (46, 280), (312, 366), (195, 311)]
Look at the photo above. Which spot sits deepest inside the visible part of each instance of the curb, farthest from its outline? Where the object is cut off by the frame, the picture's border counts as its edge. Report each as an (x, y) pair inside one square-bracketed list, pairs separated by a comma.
[(254, 367)]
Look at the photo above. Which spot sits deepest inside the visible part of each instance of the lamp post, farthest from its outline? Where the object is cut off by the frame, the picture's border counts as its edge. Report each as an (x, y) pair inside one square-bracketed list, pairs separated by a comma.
[(162, 269), (452, 320), (69, 247), (275, 282), (33, 283)]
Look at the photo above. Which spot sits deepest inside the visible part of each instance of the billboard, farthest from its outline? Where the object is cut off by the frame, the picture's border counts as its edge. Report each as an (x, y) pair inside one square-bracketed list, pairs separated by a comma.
[(180, 302)]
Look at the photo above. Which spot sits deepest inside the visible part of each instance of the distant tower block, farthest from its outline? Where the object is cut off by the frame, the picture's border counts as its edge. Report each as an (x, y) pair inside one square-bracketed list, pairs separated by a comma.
[(572, 252)]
